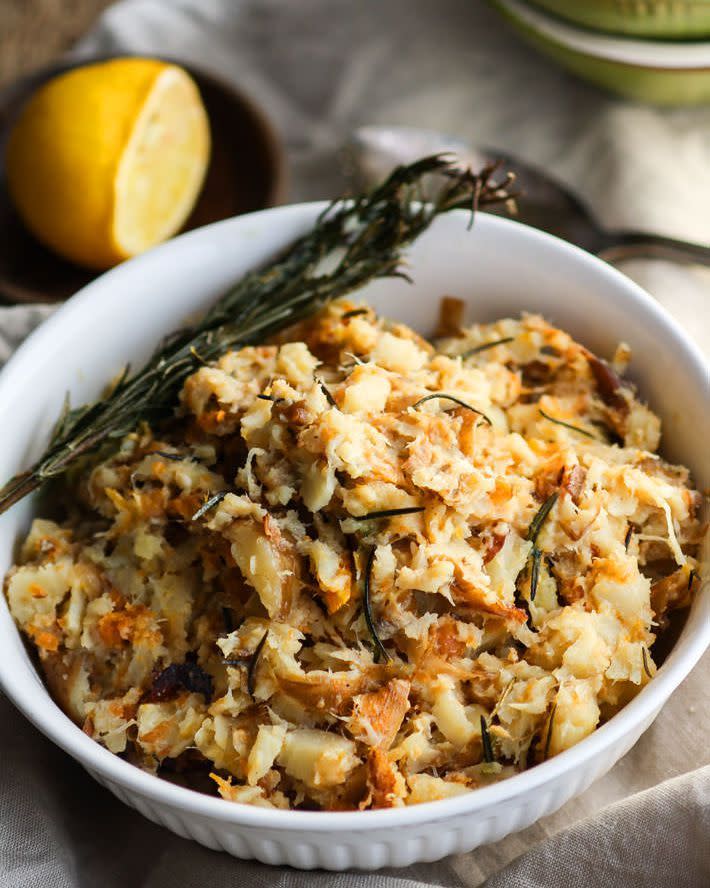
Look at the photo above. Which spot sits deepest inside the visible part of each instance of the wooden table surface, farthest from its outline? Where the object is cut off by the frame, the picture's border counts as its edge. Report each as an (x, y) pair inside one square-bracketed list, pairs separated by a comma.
[(34, 32)]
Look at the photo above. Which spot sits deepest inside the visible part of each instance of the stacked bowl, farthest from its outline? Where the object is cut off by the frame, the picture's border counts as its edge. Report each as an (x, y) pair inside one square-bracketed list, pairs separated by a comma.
[(655, 51)]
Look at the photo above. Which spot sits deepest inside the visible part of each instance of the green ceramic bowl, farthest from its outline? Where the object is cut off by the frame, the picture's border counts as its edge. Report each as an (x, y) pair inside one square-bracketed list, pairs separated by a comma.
[(652, 71), (660, 19)]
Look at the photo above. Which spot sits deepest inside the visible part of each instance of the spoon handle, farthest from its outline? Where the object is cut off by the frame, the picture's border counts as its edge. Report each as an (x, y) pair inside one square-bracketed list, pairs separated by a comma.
[(637, 245)]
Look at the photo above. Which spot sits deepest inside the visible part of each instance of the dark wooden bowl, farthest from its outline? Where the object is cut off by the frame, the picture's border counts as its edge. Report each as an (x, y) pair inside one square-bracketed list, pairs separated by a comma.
[(246, 173)]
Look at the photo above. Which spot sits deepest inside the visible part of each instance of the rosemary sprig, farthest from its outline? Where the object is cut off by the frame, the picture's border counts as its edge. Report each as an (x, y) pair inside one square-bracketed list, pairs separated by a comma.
[(488, 756), (476, 350), (388, 513), (355, 241), (568, 425), (367, 607), (450, 398), (209, 504), (646, 668)]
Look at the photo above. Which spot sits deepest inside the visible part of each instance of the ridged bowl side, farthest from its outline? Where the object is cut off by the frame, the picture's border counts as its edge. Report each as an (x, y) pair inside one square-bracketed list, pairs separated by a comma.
[(375, 848), (659, 19)]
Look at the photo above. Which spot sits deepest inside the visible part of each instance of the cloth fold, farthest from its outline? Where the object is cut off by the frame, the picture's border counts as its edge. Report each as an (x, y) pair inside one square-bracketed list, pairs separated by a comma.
[(319, 68)]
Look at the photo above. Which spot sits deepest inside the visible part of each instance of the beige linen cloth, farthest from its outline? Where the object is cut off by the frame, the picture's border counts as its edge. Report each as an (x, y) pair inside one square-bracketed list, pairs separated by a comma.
[(321, 67)]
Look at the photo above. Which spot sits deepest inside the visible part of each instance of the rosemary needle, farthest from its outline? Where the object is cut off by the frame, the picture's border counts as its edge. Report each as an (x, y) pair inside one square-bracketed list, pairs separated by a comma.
[(485, 346), (486, 740), (568, 425), (354, 312), (253, 663), (539, 519), (534, 572), (388, 513), (367, 606), (328, 396), (210, 504), (548, 738), (453, 398)]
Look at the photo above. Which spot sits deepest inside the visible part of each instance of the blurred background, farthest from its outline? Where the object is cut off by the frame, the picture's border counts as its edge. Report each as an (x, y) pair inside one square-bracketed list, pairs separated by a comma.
[(609, 99), (34, 32)]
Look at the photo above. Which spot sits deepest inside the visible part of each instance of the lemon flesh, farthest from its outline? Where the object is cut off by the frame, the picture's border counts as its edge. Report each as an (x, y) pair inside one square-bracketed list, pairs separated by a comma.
[(108, 160)]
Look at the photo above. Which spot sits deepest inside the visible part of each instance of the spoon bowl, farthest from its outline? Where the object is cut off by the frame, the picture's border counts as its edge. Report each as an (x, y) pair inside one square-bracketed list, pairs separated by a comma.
[(373, 151)]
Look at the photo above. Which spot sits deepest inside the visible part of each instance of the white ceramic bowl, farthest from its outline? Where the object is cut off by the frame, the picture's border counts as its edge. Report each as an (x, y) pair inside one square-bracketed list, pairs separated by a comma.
[(500, 268)]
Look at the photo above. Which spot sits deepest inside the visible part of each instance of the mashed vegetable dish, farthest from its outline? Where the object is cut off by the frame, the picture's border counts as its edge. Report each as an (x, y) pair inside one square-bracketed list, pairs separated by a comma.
[(359, 570)]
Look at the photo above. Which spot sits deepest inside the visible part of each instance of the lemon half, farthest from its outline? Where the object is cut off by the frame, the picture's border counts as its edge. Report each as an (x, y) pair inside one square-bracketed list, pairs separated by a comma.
[(108, 159)]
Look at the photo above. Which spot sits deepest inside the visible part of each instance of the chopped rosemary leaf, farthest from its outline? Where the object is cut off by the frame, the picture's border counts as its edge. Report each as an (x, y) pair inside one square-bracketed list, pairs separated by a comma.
[(548, 738), (568, 425), (210, 504), (354, 312), (691, 578), (329, 398), (627, 538), (530, 752), (485, 346), (253, 663), (176, 457), (646, 669), (388, 513), (534, 572), (451, 398), (367, 608), (539, 519), (488, 756), (269, 398)]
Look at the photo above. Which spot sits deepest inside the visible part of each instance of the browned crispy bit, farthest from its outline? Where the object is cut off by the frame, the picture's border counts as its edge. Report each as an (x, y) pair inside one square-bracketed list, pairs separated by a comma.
[(451, 313), (672, 592), (547, 482), (382, 784), (179, 677), (609, 384), (566, 571), (444, 639), (573, 482), (326, 691), (679, 476), (469, 595), (536, 373), (377, 716), (494, 546), (296, 415)]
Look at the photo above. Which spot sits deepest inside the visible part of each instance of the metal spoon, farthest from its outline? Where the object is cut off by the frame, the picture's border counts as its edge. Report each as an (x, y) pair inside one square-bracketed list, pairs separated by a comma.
[(372, 152)]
